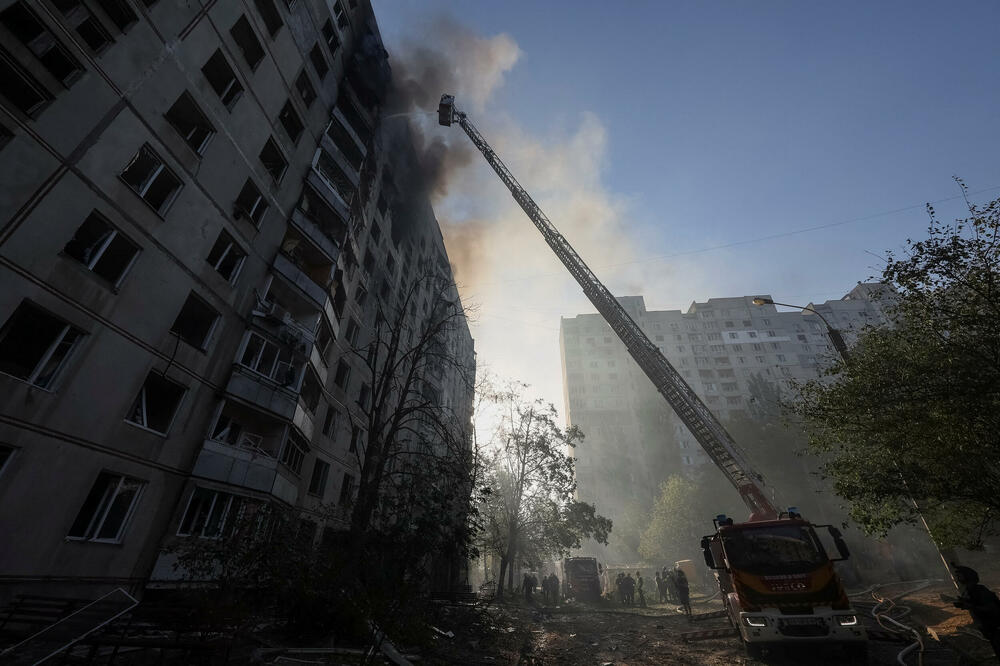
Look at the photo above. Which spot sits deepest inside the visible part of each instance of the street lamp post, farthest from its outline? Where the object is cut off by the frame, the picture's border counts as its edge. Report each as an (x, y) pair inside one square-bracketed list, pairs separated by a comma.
[(835, 337)]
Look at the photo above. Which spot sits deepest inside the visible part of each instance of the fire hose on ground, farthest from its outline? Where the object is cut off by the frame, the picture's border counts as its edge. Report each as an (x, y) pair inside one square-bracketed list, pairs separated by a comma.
[(886, 612)]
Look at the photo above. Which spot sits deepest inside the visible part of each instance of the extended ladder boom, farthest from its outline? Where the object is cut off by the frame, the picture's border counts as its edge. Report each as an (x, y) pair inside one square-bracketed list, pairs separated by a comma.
[(705, 428)]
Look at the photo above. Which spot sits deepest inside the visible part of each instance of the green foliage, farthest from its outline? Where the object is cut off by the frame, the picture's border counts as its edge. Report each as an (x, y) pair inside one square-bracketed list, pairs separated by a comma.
[(683, 514), (530, 513), (916, 411)]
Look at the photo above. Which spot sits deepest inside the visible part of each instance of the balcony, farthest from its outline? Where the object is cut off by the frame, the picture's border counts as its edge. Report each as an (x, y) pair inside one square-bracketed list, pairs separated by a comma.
[(328, 194), (296, 274), (341, 179), (263, 392), (342, 129)]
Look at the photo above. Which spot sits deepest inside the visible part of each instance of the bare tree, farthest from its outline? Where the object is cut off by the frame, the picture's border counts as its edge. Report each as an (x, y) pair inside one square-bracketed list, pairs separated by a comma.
[(416, 462)]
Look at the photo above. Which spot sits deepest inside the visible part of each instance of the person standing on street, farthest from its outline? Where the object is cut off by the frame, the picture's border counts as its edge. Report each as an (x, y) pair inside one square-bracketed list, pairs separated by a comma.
[(982, 604), (683, 591), (638, 587)]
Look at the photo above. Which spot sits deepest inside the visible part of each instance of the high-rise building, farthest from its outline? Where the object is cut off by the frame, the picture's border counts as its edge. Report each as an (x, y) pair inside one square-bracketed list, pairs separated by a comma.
[(198, 222), (632, 439)]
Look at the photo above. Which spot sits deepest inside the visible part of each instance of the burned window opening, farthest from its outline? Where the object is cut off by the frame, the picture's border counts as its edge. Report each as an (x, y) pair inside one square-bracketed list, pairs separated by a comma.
[(102, 249)]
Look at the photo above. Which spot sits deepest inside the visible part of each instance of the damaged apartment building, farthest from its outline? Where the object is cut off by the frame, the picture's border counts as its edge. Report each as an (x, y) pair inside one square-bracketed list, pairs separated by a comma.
[(721, 348), (198, 224)]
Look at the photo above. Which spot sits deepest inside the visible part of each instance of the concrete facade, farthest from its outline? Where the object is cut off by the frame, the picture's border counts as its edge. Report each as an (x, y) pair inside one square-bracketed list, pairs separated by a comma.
[(633, 441), (197, 220)]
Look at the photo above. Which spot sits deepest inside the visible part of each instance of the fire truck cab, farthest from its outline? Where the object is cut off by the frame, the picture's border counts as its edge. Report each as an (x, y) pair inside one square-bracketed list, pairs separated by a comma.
[(779, 586)]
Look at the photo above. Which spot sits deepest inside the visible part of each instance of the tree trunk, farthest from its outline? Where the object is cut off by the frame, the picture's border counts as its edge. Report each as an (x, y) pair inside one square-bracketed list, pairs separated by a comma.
[(503, 570)]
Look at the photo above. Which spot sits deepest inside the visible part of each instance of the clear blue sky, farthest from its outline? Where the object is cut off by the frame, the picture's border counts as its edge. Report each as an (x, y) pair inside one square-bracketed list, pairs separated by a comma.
[(733, 120)]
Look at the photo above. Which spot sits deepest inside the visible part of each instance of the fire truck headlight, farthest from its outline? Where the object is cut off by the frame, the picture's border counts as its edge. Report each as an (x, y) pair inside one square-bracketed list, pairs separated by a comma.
[(755, 621), (847, 620)]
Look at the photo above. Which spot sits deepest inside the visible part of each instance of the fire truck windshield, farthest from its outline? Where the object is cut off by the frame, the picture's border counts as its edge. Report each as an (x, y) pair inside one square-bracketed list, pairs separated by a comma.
[(774, 549)]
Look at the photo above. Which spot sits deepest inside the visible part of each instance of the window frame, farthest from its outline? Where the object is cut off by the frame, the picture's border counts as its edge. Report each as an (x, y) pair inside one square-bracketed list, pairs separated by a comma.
[(233, 502), (205, 125), (268, 145), (29, 81), (231, 87), (149, 180), (225, 236), (105, 244), (303, 81), (95, 524), (202, 345), (246, 29), (260, 204), (325, 477), (50, 351), (145, 417)]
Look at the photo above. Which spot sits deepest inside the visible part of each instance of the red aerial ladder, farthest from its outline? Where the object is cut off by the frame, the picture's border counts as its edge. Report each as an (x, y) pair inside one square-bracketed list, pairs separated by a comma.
[(702, 423), (778, 584)]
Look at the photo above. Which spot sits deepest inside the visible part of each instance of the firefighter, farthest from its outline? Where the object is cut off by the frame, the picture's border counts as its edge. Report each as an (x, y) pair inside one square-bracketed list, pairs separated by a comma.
[(683, 591), (982, 604)]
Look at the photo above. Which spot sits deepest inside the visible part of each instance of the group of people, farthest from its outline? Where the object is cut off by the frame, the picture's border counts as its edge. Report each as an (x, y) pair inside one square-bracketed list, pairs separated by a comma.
[(627, 588), (550, 587), (673, 587)]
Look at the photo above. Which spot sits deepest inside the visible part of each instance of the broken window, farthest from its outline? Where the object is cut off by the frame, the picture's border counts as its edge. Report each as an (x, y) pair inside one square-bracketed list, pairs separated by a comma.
[(324, 338), (290, 121), (294, 452), (268, 12), (226, 257), (346, 489), (305, 88), (246, 39), (263, 356), (250, 203), (273, 160), (355, 439), (190, 123), (343, 374), (210, 514), (195, 321), (361, 296), (311, 391), (318, 62), (28, 28), (20, 87), (6, 453), (364, 395), (102, 248), (345, 143), (340, 14), (331, 37), (155, 406), (317, 483), (35, 345), (119, 12), (150, 178), (85, 23), (369, 263), (107, 509), (223, 80), (330, 421), (353, 328)]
